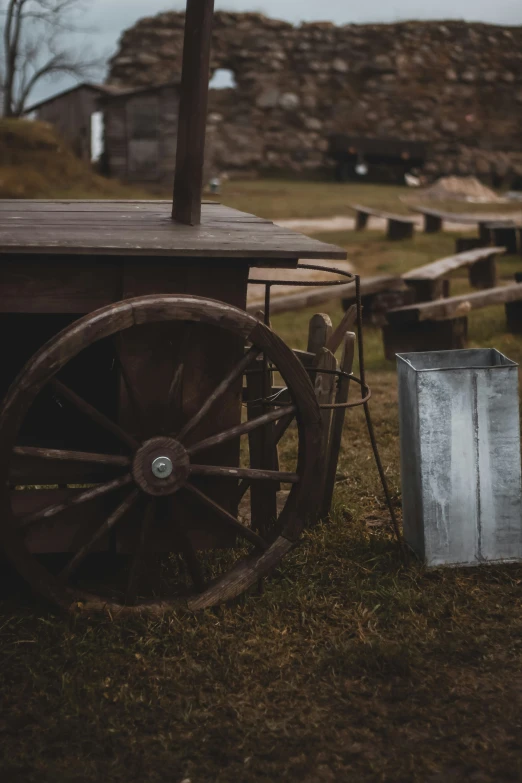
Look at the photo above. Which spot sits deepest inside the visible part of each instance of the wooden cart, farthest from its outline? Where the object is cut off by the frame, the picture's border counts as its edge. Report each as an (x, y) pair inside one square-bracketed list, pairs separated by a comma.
[(126, 344)]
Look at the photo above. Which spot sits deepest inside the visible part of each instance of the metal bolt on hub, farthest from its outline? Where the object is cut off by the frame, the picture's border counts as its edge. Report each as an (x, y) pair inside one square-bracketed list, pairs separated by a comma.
[(162, 467)]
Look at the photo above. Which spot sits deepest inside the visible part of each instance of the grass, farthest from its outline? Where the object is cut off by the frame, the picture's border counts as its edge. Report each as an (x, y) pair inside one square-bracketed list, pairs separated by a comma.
[(277, 199), (273, 198), (351, 666), (36, 163)]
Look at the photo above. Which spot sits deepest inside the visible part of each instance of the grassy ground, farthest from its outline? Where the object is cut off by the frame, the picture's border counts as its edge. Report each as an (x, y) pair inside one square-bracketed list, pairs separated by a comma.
[(273, 198), (35, 163), (352, 666)]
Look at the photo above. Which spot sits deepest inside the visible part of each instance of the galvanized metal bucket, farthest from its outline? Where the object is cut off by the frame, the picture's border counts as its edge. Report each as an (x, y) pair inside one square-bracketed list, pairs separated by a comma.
[(460, 456)]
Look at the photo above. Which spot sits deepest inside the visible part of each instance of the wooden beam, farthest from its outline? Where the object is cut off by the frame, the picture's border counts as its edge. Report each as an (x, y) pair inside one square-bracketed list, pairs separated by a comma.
[(455, 307), (444, 266), (359, 208), (192, 123)]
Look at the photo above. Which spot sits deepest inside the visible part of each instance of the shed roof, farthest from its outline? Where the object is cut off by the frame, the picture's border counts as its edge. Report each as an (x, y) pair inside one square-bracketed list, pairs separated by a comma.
[(101, 89)]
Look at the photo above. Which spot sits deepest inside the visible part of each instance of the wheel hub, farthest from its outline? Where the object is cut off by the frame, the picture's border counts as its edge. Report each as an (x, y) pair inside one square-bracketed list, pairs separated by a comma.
[(161, 466)]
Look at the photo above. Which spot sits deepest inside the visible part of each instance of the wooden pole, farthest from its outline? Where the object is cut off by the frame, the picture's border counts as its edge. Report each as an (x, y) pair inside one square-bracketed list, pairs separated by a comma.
[(190, 154)]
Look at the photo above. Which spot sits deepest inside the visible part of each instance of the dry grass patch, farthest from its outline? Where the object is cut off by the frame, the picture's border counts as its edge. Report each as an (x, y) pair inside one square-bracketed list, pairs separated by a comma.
[(36, 163)]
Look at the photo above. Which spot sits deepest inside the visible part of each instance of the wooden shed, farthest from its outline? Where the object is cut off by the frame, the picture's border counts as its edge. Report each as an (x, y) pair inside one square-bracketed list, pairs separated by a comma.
[(141, 132), (70, 112)]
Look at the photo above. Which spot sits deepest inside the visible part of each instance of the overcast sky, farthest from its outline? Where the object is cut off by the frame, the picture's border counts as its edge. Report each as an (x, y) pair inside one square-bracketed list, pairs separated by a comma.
[(111, 17)]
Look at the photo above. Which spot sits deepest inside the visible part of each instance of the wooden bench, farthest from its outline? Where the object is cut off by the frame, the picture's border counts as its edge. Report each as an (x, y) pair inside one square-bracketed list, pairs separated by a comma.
[(435, 218), (391, 289), (443, 324), (309, 297), (399, 226), (507, 233), (463, 244), (378, 295), (430, 281)]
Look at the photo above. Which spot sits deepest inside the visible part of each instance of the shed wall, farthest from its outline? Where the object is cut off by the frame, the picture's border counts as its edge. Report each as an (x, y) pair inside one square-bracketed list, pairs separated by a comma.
[(71, 116), (141, 134)]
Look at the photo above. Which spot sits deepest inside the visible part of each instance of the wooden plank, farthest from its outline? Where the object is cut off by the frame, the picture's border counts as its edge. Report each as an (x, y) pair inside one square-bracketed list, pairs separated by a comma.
[(158, 236), (444, 266), (192, 123), (324, 386), (146, 228), (118, 219), (26, 287), (456, 306), (319, 331), (505, 233), (468, 218), (346, 325), (336, 430)]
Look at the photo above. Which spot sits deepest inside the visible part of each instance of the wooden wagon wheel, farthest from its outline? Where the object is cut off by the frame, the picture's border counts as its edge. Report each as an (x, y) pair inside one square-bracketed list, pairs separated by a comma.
[(161, 465)]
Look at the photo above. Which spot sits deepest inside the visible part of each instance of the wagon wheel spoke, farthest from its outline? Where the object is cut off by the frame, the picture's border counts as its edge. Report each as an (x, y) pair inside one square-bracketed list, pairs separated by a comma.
[(109, 523), (137, 558), (279, 430), (235, 373), (72, 456), (252, 474), (93, 413), (131, 393), (174, 391), (241, 429), (230, 520), (83, 497)]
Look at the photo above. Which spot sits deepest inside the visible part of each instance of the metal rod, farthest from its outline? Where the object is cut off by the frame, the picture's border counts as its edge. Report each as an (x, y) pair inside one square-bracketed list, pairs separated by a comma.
[(267, 304), (369, 423)]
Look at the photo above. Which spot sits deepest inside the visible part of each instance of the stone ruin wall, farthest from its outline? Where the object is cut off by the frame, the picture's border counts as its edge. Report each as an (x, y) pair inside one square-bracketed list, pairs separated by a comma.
[(455, 85)]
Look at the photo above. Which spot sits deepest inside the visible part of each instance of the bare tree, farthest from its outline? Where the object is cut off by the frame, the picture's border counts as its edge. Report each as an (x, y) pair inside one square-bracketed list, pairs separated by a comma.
[(35, 47)]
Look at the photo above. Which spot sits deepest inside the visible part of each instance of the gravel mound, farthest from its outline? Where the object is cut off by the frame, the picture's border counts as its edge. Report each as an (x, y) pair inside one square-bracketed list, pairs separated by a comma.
[(461, 189)]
